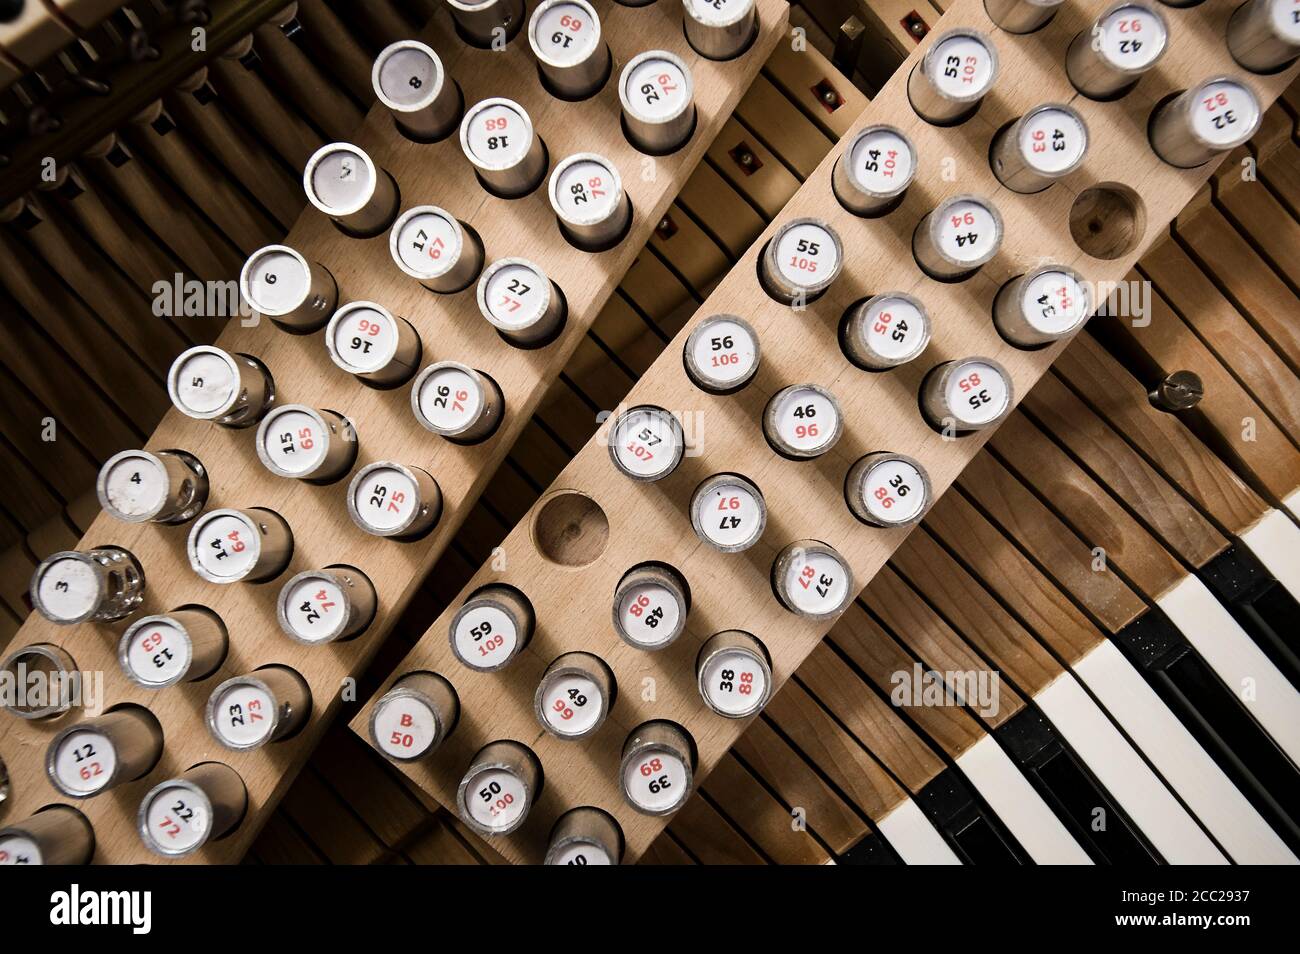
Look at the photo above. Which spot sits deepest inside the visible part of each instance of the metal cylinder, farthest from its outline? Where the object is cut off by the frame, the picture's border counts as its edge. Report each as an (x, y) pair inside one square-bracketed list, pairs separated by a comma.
[(497, 136), (885, 489), (721, 354), (438, 250), (651, 603), (87, 586), (728, 512), (491, 628), (181, 815), (874, 170), (457, 402), (414, 717), (585, 836), (646, 442), (484, 23), (574, 696), (658, 767), (278, 282), (499, 788), (734, 674), (658, 97), (327, 605), (389, 499), (1264, 35), (1180, 391), (267, 705), (55, 669), (1021, 16), (525, 307), (341, 180), (811, 579), (57, 835), (802, 421), (587, 196), (956, 237), (135, 486), (409, 78), (185, 645), (1041, 306), (884, 331), (1044, 144), (800, 261), (208, 384), (720, 29), (958, 69), (306, 443), (572, 55), (1199, 123), (367, 340), (232, 546), (94, 755), (1123, 43), (969, 394)]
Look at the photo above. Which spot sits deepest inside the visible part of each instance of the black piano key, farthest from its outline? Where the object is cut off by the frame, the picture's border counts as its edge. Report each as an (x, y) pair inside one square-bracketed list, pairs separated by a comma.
[(870, 850), (969, 826), (1263, 607)]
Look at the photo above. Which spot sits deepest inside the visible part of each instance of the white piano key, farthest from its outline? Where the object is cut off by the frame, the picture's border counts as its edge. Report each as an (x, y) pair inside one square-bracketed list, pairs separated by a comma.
[(1176, 754), (917, 841), (1275, 541), (1130, 781), (1019, 806), (1232, 654)]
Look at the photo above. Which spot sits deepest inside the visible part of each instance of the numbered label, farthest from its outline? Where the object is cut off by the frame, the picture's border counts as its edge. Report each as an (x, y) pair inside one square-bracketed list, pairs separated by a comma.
[(566, 33), (1224, 113), (716, 13), (895, 329), (484, 637), (386, 500), (1285, 17), (69, 588), (276, 281), (647, 442), (341, 181), (572, 704), (427, 242), (21, 850), (724, 352), (881, 161), (157, 654), (1053, 140), (405, 727), (976, 393), (962, 67), (450, 399), (294, 441), (807, 254), (176, 820), (497, 135), (730, 516), (894, 491), (515, 295), (656, 89), (816, 583), (968, 231), (244, 715), (363, 339), (656, 781), (1054, 302), (496, 799), (316, 608), (408, 76), (587, 190), (735, 682), (1130, 37), (204, 383), (649, 614), (136, 485), (84, 762), (226, 546), (807, 420), (581, 853)]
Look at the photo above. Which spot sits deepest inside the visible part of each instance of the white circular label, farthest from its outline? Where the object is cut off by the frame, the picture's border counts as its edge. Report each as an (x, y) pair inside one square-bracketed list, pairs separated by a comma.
[(881, 161), (1052, 140), (961, 67), (450, 400), (485, 637), (404, 727), (341, 181), (21, 850), (566, 33), (205, 382), (816, 583), (571, 704), (976, 393), (586, 191), (227, 546), (158, 653), (806, 420), (649, 614), (176, 820), (655, 89), (724, 350), (136, 486), (386, 499), (581, 853), (806, 254), (893, 491), (497, 135), (1224, 113), (968, 231), (69, 588), (315, 608), (894, 329), (1054, 302), (656, 780), (294, 441), (735, 682), (363, 340), (496, 799), (515, 296), (276, 282), (646, 442), (405, 75), (85, 761), (1285, 17), (428, 244), (244, 715), (1131, 37), (729, 515), (718, 12)]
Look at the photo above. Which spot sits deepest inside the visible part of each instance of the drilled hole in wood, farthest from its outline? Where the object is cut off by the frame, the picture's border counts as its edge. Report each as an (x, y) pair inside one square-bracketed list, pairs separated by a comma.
[(570, 529), (1108, 220)]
